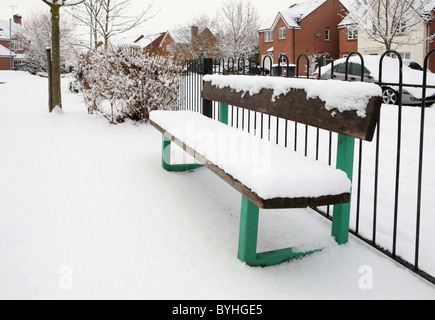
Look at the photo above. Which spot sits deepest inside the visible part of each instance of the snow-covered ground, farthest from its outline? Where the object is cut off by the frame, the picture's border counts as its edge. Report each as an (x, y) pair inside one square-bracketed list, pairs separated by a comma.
[(86, 211)]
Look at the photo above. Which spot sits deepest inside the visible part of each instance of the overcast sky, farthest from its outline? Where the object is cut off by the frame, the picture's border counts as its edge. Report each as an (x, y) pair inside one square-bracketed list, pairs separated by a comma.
[(172, 13)]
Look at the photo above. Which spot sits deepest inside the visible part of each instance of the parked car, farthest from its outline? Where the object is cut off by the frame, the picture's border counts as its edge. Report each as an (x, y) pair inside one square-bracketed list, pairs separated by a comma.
[(412, 64), (390, 76)]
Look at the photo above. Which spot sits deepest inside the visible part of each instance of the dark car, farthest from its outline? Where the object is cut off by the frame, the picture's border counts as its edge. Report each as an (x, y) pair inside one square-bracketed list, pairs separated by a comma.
[(390, 74)]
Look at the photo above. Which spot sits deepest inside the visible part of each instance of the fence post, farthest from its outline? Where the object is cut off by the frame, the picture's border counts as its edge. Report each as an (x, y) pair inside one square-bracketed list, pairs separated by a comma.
[(207, 105), (50, 81), (341, 215)]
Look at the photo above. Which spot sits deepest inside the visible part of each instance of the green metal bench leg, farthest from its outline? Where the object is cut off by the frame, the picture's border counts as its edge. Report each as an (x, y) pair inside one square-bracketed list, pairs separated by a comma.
[(223, 113), (166, 159), (341, 215), (248, 231), (248, 240)]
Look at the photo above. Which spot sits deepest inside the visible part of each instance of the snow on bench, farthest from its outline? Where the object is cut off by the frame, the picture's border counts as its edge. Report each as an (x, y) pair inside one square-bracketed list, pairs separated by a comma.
[(350, 108), (267, 175), (270, 175)]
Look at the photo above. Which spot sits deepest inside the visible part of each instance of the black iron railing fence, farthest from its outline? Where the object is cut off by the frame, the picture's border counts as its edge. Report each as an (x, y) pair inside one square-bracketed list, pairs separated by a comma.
[(393, 208)]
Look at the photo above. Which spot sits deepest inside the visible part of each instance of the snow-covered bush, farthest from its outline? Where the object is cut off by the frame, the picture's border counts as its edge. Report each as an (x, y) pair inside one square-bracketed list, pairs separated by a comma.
[(128, 82)]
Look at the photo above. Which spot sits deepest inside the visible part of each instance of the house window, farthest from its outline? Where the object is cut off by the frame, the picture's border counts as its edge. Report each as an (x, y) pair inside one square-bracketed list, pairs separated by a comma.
[(281, 33), (326, 34), (352, 33), (402, 28), (17, 45), (169, 48), (283, 59), (18, 62), (404, 55), (268, 36)]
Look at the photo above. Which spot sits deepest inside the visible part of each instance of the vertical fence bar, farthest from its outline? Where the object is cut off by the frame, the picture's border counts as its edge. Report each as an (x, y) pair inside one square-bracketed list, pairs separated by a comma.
[(358, 196), (420, 160), (207, 105), (399, 141), (50, 80), (375, 199), (189, 85)]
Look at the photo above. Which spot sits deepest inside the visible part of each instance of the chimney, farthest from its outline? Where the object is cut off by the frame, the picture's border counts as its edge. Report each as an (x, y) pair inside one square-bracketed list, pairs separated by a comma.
[(17, 19), (195, 35)]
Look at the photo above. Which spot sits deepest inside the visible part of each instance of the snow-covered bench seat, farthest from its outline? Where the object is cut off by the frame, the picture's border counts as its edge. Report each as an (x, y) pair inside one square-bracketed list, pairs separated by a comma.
[(267, 175)]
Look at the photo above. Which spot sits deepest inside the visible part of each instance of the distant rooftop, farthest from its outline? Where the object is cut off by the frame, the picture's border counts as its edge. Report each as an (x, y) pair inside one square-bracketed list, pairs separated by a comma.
[(294, 14), (4, 29), (5, 52)]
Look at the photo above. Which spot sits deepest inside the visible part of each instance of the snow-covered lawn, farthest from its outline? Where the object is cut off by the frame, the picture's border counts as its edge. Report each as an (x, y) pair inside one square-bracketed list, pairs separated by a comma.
[(86, 211)]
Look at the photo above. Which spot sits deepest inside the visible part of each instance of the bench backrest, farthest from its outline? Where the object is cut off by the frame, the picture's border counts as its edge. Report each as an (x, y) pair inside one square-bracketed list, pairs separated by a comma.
[(326, 104)]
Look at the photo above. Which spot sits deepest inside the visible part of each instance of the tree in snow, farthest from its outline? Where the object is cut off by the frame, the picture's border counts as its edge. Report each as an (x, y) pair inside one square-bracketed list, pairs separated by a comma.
[(239, 24), (55, 6), (128, 82), (88, 15), (38, 31), (390, 22), (110, 18), (197, 38)]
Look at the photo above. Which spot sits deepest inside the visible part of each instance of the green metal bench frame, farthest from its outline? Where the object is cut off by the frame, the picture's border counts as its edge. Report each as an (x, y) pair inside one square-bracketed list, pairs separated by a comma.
[(249, 217)]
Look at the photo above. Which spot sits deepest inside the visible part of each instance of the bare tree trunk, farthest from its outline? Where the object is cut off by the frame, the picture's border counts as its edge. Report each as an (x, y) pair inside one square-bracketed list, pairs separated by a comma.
[(55, 47)]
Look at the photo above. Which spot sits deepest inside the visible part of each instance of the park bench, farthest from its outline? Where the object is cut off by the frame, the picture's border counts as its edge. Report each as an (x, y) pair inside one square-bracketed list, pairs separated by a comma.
[(267, 175)]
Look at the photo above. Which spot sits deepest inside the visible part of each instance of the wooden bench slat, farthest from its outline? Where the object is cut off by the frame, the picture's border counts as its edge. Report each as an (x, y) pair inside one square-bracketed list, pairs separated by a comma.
[(296, 107)]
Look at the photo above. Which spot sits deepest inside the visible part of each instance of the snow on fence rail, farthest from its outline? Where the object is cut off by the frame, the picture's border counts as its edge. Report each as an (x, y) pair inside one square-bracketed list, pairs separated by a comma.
[(394, 176)]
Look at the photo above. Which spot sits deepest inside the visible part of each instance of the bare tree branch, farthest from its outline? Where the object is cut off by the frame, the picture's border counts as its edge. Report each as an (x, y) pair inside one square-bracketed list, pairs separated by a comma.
[(109, 18), (390, 22)]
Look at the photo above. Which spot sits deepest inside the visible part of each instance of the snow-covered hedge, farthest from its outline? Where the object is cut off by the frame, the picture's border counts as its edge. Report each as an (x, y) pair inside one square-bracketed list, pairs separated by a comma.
[(128, 82)]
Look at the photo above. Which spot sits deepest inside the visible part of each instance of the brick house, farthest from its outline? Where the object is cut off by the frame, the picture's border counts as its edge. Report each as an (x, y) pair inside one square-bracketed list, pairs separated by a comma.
[(190, 43), (151, 42), (348, 37), (183, 43), (15, 48), (305, 28)]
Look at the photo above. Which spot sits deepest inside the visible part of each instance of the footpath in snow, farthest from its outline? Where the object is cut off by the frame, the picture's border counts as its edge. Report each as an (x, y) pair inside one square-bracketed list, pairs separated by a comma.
[(87, 212)]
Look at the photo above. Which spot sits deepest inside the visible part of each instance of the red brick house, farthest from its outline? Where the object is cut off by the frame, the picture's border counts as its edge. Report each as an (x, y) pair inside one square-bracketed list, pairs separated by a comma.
[(150, 42), (348, 37), (306, 28), (183, 43), (15, 48), (190, 43)]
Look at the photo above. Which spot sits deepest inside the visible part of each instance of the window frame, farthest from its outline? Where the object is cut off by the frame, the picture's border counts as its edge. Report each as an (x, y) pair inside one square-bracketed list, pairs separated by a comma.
[(327, 34), (282, 33), (17, 45), (352, 33), (402, 28), (268, 36)]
